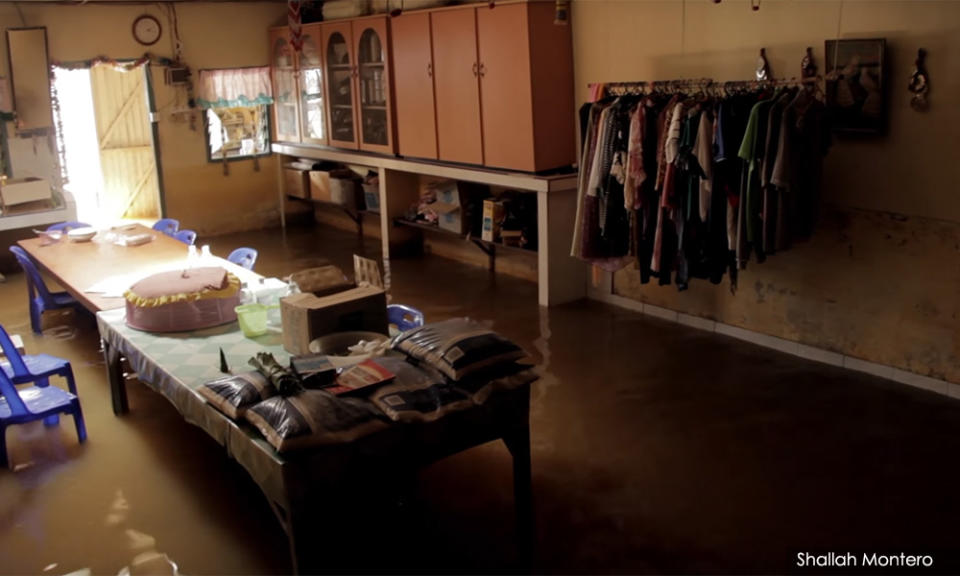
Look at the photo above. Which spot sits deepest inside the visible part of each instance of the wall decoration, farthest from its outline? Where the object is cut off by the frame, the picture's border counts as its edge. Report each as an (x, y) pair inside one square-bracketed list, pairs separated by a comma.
[(919, 83), (855, 81)]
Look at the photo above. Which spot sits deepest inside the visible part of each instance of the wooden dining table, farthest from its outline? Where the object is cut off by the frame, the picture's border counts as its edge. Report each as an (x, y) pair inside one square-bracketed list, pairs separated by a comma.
[(80, 266), (97, 272), (176, 364)]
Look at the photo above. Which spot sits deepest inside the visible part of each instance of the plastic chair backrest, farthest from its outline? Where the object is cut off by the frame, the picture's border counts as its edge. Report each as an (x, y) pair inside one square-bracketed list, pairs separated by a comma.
[(243, 257), (34, 280), (67, 225), (9, 391), (12, 354), (405, 317), (168, 226), (188, 237)]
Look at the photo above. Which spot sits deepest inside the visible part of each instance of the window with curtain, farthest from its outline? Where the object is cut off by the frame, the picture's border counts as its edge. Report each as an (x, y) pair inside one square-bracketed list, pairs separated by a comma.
[(235, 103)]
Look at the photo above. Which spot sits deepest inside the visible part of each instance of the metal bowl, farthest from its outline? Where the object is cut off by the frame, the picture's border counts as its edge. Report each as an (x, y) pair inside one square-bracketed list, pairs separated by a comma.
[(337, 343)]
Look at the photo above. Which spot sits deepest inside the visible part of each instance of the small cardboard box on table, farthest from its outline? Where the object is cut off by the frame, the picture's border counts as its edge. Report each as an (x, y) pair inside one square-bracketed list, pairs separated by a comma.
[(331, 306)]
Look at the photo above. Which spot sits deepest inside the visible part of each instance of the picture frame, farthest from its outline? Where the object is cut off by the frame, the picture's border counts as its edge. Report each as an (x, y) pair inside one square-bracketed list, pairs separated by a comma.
[(855, 82)]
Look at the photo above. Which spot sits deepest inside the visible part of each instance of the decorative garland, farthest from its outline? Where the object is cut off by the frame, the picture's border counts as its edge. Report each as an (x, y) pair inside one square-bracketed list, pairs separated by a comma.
[(121, 66)]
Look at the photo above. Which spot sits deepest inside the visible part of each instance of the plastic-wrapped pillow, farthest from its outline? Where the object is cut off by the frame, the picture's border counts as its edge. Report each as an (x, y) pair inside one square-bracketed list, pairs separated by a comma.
[(313, 418), (457, 347), (233, 394)]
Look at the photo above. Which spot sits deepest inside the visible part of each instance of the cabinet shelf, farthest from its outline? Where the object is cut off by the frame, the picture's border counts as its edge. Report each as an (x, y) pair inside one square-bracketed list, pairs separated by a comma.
[(340, 67), (371, 64), (372, 107), (484, 245)]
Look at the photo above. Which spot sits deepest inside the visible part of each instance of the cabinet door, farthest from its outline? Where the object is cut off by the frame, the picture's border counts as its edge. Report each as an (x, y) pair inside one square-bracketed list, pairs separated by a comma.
[(455, 68), (313, 112), (505, 88), (413, 85), (338, 51), (285, 103), (372, 100)]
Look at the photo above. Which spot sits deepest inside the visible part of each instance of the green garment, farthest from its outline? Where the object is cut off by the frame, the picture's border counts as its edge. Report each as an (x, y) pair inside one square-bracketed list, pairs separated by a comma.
[(751, 151)]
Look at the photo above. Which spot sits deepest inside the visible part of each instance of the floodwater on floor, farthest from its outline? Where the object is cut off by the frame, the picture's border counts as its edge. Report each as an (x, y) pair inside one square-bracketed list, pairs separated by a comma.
[(656, 448)]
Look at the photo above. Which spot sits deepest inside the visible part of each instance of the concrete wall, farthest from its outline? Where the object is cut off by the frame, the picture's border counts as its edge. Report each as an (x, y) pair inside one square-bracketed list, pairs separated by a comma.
[(214, 35), (880, 279)]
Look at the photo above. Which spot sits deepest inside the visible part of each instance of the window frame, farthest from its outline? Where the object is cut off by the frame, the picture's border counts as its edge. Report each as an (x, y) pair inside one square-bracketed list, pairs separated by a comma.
[(268, 114)]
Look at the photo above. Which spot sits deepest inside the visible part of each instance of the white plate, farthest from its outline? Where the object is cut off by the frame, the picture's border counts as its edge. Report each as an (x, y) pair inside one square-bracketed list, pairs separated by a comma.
[(82, 234)]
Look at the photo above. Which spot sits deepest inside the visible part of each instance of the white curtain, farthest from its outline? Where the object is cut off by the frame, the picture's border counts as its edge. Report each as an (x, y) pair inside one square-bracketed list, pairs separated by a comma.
[(232, 87)]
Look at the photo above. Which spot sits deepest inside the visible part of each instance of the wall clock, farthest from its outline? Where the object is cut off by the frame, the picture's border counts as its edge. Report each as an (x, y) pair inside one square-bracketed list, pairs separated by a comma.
[(146, 30)]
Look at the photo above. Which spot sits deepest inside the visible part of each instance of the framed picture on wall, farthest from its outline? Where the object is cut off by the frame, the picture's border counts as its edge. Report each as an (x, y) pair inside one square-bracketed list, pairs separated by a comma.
[(855, 85)]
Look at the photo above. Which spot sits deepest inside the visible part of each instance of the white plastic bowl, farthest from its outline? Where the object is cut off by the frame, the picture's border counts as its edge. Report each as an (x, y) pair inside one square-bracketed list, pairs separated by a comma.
[(82, 234)]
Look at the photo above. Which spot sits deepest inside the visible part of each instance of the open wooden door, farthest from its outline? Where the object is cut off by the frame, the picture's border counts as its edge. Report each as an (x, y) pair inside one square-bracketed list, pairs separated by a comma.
[(130, 187)]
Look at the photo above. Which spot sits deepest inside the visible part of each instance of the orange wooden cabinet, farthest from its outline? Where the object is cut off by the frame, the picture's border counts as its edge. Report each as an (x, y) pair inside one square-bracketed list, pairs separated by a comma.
[(283, 72), (456, 81), (359, 89), (413, 85), (503, 81)]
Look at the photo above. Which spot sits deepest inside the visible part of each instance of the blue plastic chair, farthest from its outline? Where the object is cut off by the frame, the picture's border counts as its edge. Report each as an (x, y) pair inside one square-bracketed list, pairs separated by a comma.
[(243, 257), (37, 368), (41, 298), (404, 317), (64, 226), (35, 403), (168, 226), (33, 367), (188, 237)]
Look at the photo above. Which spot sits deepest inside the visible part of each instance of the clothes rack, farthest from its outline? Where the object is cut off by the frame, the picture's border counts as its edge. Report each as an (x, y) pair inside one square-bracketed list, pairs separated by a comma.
[(692, 178)]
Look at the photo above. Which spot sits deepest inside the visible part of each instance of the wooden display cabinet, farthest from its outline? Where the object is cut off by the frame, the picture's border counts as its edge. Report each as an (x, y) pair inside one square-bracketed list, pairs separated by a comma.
[(358, 68), (283, 73)]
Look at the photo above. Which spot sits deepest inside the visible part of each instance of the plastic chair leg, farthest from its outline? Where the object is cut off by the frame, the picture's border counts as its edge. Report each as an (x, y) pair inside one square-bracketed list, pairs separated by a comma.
[(68, 374), (79, 423), (51, 420), (35, 318), (3, 448)]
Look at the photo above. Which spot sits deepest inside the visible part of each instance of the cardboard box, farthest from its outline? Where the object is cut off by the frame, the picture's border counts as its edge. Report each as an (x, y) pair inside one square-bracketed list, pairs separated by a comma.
[(322, 280), (21, 191), (296, 183), (451, 199), (493, 211), (306, 317), (345, 192), (371, 196), (333, 186)]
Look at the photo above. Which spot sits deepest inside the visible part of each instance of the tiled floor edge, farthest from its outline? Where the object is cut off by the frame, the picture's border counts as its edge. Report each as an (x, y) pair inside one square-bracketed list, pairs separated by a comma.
[(887, 372)]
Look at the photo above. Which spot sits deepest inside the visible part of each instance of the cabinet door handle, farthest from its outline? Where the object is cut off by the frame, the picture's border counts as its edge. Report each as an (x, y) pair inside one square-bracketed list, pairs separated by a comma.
[(430, 69), (476, 69), (483, 70)]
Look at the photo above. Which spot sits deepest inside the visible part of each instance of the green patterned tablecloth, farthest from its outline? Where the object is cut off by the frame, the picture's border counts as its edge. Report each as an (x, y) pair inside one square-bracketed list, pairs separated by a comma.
[(176, 364)]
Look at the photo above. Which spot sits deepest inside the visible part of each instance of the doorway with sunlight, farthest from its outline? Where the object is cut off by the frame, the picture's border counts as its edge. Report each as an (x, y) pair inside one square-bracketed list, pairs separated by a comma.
[(105, 131)]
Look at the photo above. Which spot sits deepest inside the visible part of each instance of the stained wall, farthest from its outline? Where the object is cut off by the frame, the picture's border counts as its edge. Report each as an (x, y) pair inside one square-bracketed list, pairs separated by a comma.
[(880, 278), (213, 35)]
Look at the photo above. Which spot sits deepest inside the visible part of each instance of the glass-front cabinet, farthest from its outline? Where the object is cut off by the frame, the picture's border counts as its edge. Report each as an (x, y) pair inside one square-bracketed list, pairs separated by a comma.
[(373, 84), (336, 90), (285, 101), (341, 70), (313, 113)]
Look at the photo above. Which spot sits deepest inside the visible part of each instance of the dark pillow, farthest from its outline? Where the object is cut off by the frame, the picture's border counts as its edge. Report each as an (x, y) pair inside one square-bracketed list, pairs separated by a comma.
[(457, 347), (233, 394), (314, 417)]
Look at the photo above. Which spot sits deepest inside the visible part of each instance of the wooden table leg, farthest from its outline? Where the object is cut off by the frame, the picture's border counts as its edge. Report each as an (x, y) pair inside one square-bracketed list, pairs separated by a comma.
[(517, 439), (118, 386)]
